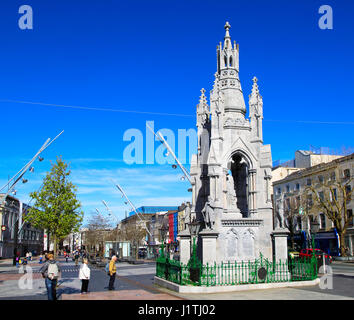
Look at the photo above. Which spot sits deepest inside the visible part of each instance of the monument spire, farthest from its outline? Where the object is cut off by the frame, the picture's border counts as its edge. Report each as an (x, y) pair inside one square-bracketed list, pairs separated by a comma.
[(255, 96), (228, 76), (256, 110), (227, 38)]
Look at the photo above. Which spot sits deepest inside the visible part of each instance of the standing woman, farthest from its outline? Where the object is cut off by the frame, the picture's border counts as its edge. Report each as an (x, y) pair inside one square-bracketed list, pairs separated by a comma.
[(112, 272), (84, 275)]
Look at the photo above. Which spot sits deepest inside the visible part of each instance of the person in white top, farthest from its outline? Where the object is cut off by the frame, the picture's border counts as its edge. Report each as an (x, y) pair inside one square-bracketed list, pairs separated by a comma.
[(84, 276)]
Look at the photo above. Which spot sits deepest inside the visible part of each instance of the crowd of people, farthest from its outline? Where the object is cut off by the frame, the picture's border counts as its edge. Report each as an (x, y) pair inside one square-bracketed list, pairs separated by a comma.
[(51, 272)]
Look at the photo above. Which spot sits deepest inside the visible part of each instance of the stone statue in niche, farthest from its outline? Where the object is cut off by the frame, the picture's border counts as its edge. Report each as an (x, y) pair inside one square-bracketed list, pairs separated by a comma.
[(208, 214), (231, 193)]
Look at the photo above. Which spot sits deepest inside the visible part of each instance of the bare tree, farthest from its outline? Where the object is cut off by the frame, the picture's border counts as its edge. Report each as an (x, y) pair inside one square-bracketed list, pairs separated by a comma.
[(135, 234), (293, 205), (332, 197), (98, 230)]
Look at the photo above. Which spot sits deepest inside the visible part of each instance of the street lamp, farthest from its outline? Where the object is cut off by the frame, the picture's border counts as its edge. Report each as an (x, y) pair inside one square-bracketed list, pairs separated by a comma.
[(194, 264), (315, 226), (194, 227), (163, 231)]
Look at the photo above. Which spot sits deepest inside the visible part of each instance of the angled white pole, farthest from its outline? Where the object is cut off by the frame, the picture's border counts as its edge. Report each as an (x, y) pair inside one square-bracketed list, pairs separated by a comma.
[(162, 139), (22, 172), (134, 208), (28, 164), (110, 211)]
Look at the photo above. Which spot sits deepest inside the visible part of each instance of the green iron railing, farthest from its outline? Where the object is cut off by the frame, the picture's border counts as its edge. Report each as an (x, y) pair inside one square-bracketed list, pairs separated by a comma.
[(236, 273)]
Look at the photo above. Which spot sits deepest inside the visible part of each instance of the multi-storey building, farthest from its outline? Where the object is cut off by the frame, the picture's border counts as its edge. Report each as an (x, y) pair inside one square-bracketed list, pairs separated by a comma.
[(147, 219), (292, 193), (17, 236)]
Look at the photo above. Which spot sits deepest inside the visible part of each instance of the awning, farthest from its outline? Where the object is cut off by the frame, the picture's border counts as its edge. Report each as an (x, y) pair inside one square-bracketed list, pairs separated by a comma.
[(325, 235)]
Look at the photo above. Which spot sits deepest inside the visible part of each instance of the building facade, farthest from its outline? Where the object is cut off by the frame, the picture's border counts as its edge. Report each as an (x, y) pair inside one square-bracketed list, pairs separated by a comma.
[(17, 236), (292, 196), (148, 218)]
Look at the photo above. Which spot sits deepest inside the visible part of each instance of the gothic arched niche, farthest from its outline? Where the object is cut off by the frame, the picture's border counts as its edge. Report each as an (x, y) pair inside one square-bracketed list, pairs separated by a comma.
[(239, 170), (248, 243), (230, 243)]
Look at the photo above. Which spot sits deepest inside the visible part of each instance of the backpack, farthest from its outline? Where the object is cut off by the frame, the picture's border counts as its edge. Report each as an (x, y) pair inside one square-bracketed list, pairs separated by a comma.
[(107, 268), (53, 271)]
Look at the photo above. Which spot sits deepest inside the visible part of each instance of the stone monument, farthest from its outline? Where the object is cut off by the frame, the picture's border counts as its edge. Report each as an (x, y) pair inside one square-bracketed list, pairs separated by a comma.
[(232, 169)]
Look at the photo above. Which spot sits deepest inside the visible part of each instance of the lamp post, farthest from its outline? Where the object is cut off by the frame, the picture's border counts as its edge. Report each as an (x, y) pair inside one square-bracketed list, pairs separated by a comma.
[(314, 229), (315, 226), (194, 264), (163, 231)]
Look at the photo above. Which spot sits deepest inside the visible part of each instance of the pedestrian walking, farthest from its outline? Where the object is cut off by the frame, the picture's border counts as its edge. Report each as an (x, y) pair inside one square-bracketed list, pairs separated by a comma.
[(50, 271), (112, 272), (30, 256), (17, 261), (24, 263), (66, 257), (84, 276), (77, 256), (40, 258)]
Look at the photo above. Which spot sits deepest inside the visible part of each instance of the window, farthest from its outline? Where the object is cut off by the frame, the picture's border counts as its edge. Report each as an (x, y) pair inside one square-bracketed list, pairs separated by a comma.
[(297, 187), (279, 190), (333, 176), (298, 201), (288, 188), (346, 173), (308, 182), (230, 61), (335, 193), (320, 179), (309, 200), (350, 217), (322, 221), (321, 195), (348, 190)]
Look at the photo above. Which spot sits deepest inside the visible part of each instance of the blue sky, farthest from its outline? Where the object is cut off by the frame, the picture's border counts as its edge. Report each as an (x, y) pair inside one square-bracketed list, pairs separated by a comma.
[(155, 56)]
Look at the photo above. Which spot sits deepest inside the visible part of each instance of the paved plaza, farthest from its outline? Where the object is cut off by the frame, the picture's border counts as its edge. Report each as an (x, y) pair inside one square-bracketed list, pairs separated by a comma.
[(136, 282)]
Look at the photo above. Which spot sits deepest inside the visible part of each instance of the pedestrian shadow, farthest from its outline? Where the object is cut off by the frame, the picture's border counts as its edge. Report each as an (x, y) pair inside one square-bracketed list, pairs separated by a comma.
[(61, 281), (67, 290)]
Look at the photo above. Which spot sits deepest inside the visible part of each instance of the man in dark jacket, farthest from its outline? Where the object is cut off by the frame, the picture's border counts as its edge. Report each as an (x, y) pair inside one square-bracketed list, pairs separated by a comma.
[(50, 271)]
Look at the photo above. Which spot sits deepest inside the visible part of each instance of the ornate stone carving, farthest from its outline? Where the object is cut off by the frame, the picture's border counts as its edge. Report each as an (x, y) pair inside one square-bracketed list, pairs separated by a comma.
[(238, 122), (242, 223)]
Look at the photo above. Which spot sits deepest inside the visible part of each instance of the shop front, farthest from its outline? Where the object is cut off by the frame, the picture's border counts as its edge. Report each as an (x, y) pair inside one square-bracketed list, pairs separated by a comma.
[(328, 242)]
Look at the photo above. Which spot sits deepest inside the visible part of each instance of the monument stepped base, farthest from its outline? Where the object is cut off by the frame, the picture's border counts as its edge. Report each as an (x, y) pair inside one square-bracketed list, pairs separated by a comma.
[(242, 287)]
